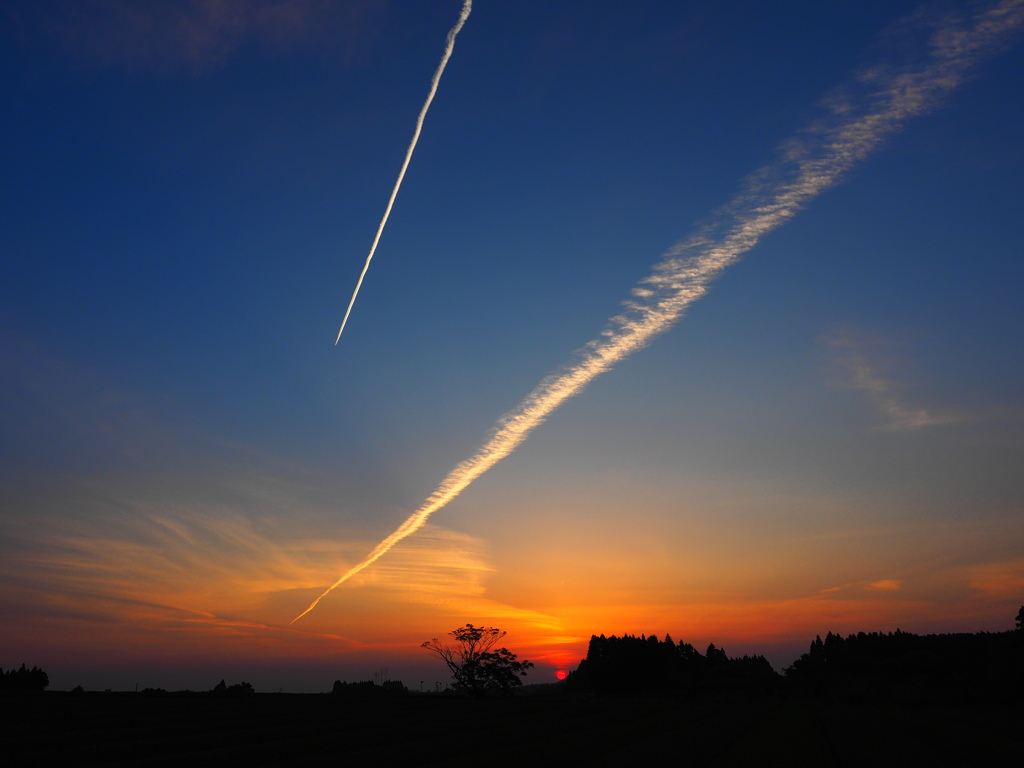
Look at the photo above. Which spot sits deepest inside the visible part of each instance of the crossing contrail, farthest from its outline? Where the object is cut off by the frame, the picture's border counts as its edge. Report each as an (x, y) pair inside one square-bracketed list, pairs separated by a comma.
[(857, 120), (449, 44)]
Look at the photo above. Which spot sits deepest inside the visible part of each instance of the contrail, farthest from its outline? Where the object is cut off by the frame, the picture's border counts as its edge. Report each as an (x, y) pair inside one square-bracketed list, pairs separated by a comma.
[(855, 124), (449, 44)]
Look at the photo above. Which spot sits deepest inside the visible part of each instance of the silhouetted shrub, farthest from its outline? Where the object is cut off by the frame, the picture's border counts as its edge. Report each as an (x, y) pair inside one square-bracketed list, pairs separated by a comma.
[(238, 689)]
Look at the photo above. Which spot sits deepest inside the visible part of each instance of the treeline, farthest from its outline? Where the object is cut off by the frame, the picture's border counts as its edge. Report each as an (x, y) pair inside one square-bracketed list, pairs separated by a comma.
[(220, 689), (23, 680), (861, 668), (630, 664), (953, 668)]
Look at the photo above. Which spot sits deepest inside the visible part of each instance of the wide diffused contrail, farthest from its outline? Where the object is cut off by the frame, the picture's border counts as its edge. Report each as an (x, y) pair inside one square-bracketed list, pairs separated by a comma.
[(449, 44), (857, 120)]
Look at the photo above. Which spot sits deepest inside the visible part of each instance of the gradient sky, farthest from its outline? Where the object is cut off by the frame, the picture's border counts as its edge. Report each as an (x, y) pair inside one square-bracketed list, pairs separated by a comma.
[(829, 440)]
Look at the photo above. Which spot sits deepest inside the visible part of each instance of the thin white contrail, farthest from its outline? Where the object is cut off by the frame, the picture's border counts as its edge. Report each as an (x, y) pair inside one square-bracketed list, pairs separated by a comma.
[(449, 44), (816, 160)]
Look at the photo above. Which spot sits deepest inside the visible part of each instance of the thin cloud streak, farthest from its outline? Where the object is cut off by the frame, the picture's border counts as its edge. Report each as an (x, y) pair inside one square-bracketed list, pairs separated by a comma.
[(158, 563), (197, 35), (862, 374), (880, 391), (811, 163), (448, 46)]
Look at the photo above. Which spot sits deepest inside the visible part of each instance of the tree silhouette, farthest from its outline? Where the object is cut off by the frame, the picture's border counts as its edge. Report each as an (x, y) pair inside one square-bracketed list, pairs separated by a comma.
[(24, 680), (474, 665)]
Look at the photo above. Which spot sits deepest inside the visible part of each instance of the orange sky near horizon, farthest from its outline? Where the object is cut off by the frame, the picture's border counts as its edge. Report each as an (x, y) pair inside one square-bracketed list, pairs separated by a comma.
[(194, 588)]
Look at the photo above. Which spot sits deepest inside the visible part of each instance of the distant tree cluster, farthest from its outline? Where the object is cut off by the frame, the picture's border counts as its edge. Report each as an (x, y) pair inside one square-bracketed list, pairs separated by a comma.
[(23, 680), (369, 689), (238, 689), (630, 664), (904, 666)]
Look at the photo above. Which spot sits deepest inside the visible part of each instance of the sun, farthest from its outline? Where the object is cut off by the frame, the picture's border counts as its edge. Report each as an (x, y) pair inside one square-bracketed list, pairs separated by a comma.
[(561, 674)]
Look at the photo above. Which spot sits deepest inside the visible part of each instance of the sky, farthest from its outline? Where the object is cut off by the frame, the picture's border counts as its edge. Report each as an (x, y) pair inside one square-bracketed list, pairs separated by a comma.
[(771, 253)]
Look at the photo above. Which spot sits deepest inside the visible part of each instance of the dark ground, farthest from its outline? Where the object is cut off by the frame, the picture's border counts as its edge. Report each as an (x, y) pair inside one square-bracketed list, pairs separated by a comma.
[(320, 729)]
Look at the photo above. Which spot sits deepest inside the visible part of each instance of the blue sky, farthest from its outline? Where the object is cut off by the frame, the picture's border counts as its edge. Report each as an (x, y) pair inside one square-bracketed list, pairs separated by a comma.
[(190, 192)]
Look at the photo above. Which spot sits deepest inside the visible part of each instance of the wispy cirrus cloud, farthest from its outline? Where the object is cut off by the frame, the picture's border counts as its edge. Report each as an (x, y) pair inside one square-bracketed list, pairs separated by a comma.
[(62, 414), (143, 569), (864, 365), (886, 585), (195, 34), (1000, 580)]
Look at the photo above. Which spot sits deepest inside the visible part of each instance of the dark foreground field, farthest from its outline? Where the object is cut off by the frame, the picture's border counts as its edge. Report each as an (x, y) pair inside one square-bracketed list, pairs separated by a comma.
[(283, 729)]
